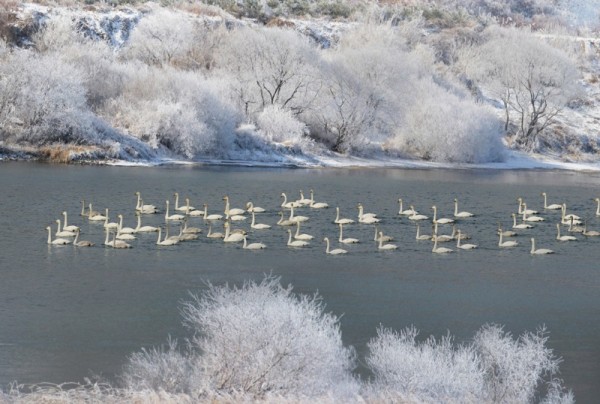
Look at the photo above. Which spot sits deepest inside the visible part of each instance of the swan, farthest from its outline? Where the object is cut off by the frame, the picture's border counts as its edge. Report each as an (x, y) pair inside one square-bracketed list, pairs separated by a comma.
[(303, 201), (210, 234), (301, 236), (295, 243), (187, 236), (56, 241), (592, 233), (65, 224), (385, 247), (520, 225), (63, 233), (124, 230), (597, 206), (563, 238), (530, 218), (346, 240), (506, 233), (339, 220), (554, 206), (460, 214), (285, 204), (190, 209), (143, 229), (258, 226), (124, 236), (540, 251), (384, 238), (442, 220), (335, 251), (566, 218), (295, 219), (87, 214), (174, 217), (506, 244), (417, 216), (284, 222), (234, 218), (190, 230), (213, 216), (316, 205), (95, 216), (140, 207), (422, 236), (250, 208), (184, 208), (82, 243), (361, 212), (407, 212), (439, 250), (166, 241), (441, 238), (114, 243), (109, 225), (455, 235), (253, 246), (523, 208), (232, 211), (464, 246), (232, 237), (573, 228), (366, 218)]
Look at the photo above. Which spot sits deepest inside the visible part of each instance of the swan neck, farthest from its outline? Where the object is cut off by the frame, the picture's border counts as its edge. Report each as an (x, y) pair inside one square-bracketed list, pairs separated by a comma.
[(49, 235), (327, 244), (159, 234)]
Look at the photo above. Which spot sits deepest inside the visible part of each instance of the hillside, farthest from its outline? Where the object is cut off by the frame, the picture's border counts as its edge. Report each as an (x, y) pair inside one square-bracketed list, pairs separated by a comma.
[(301, 83)]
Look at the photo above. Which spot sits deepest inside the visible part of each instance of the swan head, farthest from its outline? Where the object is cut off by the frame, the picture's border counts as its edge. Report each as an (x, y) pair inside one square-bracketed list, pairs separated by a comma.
[(282, 195), (137, 193), (120, 216), (225, 198), (64, 213), (455, 200)]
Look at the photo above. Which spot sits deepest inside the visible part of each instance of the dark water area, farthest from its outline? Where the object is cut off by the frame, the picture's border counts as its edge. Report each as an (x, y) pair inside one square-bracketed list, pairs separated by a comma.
[(67, 313)]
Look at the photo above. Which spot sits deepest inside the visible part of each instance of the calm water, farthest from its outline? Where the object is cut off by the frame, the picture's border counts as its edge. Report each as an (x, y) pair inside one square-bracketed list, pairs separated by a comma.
[(69, 313)]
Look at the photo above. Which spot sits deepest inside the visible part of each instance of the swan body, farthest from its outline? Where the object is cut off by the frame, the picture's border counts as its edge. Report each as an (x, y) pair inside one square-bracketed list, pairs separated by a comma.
[(250, 208), (591, 233), (464, 246), (118, 244), (520, 225), (83, 212), (95, 216), (234, 218), (440, 250), (417, 216), (567, 218), (442, 220), (190, 230), (124, 230), (442, 238), (143, 229), (540, 251), (384, 238), (530, 218), (523, 208), (210, 233), (506, 233), (253, 246), (140, 207), (563, 238), (335, 251), (366, 218), (124, 236), (285, 204), (82, 243), (573, 228), (460, 235), (63, 233), (190, 209), (339, 220), (295, 243), (295, 219), (56, 241), (407, 212), (303, 201), (183, 208), (554, 206), (65, 224), (361, 213), (346, 240), (385, 247), (110, 225), (422, 236), (507, 244), (258, 226), (232, 211), (284, 222), (316, 205), (174, 217), (460, 214), (213, 216), (232, 237), (166, 241), (301, 236)]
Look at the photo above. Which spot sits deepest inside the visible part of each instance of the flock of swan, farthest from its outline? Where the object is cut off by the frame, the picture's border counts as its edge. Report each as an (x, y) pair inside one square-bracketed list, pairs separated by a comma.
[(118, 236)]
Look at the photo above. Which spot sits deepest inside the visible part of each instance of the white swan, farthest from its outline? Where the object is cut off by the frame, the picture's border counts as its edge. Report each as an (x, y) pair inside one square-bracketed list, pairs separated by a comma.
[(407, 212), (124, 236), (82, 243), (339, 220), (384, 238), (422, 236), (114, 243), (66, 225), (234, 218), (361, 212), (385, 247), (143, 229), (566, 218), (523, 208), (174, 217), (56, 241), (210, 233), (232, 237), (540, 251), (530, 218), (563, 238), (124, 230), (460, 214), (303, 201), (591, 233), (232, 211), (506, 244), (190, 230), (506, 233), (285, 204), (284, 222), (417, 216), (250, 208), (110, 225), (573, 228), (63, 233), (253, 246), (295, 219), (335, 251), (140, 207), (301, 236), (183, 208), (83, 212), (295, 243), (455, 235), (464, 246), (316, 205), (95, 216), (166, 241), (442, 238), (346, 240), (442, 220), (520, 225), (440, 250), (258, 226), (213, 216), (554, 206), (366, 218)]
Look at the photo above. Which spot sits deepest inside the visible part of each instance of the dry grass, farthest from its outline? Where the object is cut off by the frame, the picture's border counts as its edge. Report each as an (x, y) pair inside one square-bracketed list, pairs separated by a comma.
[(64, 153)]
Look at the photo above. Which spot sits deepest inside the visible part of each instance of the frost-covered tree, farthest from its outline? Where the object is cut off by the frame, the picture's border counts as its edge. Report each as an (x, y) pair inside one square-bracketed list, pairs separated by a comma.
[(281, 126)]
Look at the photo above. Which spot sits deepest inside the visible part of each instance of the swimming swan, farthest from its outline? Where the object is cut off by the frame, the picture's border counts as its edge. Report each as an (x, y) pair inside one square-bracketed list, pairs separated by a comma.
[(460, 214), (574, 229), (114, 243), (554, 206), (63, 233), (346, 240), (251, 208), (231, 211), (385, 247), (109, 225), (523, 208), (295, 243), (124, 236), (140, 207), (339, 220), (422, 236), (174, 217), (258, 226), (417, 216), (285, 204), (232, 237), (66, 225), (166, 241), (407, 212), (442, 238), (591, 233), (335, 251), (303, 201), (284, 222), (464, 246), (124, 230), (442, 220), (190, 230), (540, 251), (506, 244), (95, 216), (384, 238), (530, 218), (82, 243), (316, 205), (566, 218), (210, 234), (303, 236), (440, 250), (366, 218), (505, 233), (253, 246), (295, 219), (563, 238), (56, 241), (213, 216), (184, 208), (520, 225), (143, 229)]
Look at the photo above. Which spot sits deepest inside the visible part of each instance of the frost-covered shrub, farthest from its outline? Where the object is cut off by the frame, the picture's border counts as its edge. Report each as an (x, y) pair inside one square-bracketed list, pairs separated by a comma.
[(280, 125)]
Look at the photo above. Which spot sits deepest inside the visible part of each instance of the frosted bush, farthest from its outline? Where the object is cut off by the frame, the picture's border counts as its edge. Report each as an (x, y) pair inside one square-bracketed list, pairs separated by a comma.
[(280, 125)]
